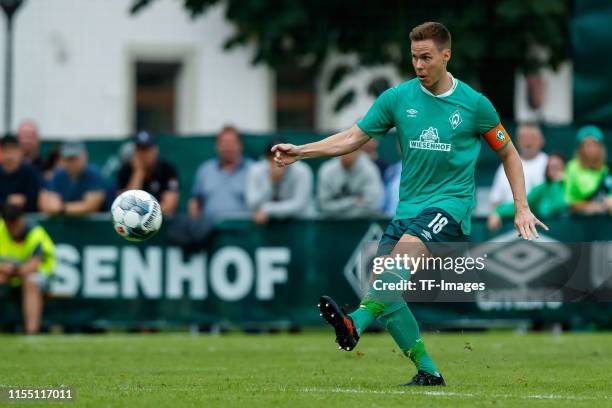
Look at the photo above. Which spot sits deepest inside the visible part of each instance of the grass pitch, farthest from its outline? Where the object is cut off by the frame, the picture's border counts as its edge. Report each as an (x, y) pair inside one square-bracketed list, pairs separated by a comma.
[(176, 370)]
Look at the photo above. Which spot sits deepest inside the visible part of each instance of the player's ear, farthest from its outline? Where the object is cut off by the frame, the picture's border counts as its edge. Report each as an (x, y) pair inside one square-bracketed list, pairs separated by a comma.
[(446, 54)]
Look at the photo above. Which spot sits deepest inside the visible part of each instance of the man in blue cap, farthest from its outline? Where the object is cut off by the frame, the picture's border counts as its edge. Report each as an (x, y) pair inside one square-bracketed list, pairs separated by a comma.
[(77, 188)]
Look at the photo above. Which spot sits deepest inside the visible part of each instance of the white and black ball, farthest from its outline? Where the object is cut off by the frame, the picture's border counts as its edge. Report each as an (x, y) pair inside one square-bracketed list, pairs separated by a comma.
[(136, 215)]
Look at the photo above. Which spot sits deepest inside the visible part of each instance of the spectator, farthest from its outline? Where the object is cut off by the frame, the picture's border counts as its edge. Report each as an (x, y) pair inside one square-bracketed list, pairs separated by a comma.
[(26, 260), (51, 163), (29, 140), (545, 200), (588, 186), (392, 180), (19, 182), (277, 192), (530, 142), (371, 149), (148, 172), (218, 192), (77, 188), (113, 164), (349, 186)]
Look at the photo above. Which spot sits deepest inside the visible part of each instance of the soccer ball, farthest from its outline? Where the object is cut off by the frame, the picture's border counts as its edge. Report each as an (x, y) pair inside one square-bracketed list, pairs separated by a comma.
[(136, 215)]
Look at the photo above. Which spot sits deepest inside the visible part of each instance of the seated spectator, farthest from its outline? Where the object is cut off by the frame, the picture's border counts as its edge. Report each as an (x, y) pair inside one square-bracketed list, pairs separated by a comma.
[(26, 262), (29, 140), (545, 200), (76, 188), (371, 149), (218, 192), (588, 185), (148, 172), (115, 162), (19, 182), (530, 142), (392, 179), (277, 192), (51, 163), (349, 186)]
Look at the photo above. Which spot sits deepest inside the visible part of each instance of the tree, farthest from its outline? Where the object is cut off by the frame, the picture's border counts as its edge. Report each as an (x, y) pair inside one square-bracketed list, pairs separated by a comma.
[(491, 38)]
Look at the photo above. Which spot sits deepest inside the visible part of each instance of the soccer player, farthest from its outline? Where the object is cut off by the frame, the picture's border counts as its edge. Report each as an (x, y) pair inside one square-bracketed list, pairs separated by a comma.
[(439, 121)]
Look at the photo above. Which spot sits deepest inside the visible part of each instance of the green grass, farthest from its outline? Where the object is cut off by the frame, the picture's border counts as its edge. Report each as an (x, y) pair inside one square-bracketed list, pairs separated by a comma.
[(501, 369)]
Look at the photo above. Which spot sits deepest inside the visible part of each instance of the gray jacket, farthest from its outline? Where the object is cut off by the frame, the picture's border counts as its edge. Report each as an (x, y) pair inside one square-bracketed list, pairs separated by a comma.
[(355, 192), (291, 197)]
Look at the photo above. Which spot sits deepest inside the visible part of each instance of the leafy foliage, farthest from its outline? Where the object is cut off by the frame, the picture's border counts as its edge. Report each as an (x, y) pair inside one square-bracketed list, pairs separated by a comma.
[(485, 32)]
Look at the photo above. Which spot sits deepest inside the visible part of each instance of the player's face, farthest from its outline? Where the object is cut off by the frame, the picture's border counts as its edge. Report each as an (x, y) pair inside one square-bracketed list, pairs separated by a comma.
[(429, 62)]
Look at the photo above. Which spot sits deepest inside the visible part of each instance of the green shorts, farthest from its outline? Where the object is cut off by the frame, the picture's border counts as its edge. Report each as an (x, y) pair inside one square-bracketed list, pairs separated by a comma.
[(431, 226)]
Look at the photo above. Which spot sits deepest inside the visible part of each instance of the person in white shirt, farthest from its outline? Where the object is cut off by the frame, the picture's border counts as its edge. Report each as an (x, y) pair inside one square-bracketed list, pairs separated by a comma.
[(392, 179), (530, 142), (349, 186), (277, 192)]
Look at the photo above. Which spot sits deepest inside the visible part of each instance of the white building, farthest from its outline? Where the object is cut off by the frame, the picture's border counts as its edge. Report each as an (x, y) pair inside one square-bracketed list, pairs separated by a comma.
[(77, 62), (75, 68)]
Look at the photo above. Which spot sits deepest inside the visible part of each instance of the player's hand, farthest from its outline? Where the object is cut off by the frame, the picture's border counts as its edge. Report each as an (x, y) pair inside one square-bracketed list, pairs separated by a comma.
[(285, 154), (525, 223)]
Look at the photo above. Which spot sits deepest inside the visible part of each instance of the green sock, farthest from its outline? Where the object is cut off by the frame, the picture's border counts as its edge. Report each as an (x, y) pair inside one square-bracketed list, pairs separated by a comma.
[(367, 312), (404, 329), (378, 302)]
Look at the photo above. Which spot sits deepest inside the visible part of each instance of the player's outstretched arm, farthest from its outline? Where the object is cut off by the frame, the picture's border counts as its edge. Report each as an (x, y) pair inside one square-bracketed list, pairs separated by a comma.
[(338, 144), (524, 221)]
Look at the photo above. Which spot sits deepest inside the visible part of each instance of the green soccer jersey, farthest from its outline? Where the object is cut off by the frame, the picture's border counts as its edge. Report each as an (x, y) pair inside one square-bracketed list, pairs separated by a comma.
[(440, 140)]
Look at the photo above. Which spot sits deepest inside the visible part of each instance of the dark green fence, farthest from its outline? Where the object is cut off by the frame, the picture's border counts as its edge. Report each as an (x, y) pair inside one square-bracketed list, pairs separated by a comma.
[(254, 275)]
